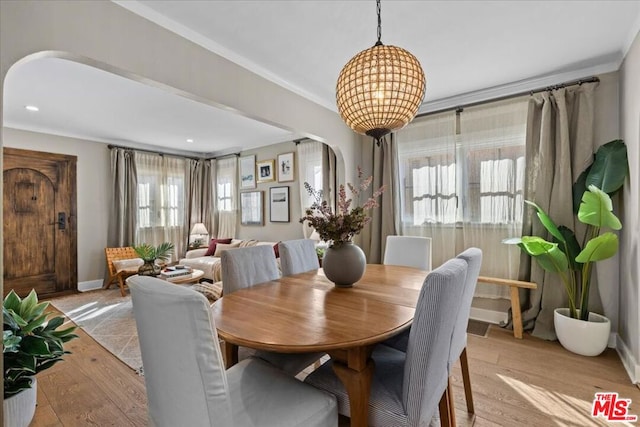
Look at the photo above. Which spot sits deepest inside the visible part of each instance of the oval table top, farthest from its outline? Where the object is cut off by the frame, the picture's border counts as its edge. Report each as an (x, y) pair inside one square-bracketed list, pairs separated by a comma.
[(306, 312)]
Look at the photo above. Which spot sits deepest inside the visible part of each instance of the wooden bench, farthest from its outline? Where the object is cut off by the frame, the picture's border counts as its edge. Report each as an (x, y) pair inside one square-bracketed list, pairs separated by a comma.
[(515, 298)]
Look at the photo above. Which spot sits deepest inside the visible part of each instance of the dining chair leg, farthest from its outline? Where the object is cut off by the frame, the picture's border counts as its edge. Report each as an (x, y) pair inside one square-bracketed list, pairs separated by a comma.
[(466, 380), (452, 404), (444, 410)]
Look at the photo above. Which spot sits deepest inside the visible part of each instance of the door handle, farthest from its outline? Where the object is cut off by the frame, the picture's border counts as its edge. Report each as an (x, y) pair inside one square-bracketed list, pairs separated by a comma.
[(62, 221)]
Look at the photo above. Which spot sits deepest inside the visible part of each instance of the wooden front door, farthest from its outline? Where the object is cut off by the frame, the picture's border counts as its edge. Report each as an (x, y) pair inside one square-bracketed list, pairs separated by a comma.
[(39, 206)]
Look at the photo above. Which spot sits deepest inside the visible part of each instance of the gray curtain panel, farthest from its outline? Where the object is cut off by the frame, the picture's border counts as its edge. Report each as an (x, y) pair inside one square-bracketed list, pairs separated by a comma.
[(122, 218), (385, 218), (560, 145), (198, 190)]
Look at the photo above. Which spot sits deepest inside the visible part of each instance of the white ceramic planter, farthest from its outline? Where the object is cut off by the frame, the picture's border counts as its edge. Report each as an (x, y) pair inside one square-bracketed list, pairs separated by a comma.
[(587, 338), (20, 408)]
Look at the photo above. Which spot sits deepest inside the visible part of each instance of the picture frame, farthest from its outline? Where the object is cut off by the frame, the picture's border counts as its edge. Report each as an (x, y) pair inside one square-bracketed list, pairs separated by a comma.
[(251, 208), (279, 204), (247, 172), (286, 167), (266, 170)]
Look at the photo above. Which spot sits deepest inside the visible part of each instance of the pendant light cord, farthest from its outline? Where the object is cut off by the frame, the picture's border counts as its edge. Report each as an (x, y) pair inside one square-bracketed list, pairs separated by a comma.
[(379, 43)]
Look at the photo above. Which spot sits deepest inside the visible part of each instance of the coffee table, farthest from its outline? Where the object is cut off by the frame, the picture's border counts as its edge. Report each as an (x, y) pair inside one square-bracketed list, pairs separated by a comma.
[(187, 279)]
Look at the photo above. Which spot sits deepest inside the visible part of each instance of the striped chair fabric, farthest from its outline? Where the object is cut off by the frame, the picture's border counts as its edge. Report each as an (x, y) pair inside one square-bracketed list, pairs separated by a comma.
[(406, 387), (473, 258), (298, 256)]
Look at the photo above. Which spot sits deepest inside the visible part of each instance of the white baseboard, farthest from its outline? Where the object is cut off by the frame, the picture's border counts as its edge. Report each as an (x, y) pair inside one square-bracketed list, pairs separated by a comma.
[(629, 362), (89, 285), (489, 316), (613, 339)]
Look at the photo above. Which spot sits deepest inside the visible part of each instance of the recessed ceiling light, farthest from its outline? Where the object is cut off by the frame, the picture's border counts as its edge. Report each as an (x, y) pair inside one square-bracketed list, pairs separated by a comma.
[(31, 108), (189, 140)]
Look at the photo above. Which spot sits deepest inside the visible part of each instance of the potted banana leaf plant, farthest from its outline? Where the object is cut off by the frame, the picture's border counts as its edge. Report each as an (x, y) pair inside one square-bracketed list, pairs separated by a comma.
[(32, 342), (578, 329)]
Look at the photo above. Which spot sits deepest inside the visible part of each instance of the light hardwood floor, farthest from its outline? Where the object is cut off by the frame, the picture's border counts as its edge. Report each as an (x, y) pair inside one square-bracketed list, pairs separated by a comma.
[(526, 382)]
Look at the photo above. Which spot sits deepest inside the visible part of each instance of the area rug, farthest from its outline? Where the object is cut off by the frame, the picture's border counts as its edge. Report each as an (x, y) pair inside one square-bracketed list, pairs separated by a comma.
[(108, 318)]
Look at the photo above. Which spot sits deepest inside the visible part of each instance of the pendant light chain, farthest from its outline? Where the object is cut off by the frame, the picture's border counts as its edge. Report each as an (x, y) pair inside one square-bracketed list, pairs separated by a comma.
[(378, 9)]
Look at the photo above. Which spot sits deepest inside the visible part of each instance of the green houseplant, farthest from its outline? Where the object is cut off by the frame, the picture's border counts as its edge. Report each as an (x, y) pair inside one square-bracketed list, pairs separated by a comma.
[(32, 342), (150, 254), (565, 255)]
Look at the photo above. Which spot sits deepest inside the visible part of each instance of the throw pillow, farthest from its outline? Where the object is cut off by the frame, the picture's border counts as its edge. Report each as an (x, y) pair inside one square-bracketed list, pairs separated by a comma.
[(221, 247), (127, 264), (276, 251), (248, 243), (212, 246), (212, 291)]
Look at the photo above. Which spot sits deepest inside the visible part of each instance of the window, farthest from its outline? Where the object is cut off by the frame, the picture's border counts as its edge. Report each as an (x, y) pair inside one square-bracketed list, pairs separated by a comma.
[(160, 204), (225, 182), (310, 164), (475, 176), (224, 196)]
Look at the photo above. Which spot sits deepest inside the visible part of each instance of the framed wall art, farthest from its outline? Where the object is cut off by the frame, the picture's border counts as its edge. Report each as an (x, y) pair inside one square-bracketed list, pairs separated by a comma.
[(286, 167), (279, 204), (247, 172), (251, 208), (266, 170)]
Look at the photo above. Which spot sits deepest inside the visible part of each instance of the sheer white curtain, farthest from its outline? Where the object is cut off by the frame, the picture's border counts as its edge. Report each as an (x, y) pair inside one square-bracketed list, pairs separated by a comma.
[(161, 200), (492, 138), (226, 191), (428, 183), (462, 182), (309, 170)]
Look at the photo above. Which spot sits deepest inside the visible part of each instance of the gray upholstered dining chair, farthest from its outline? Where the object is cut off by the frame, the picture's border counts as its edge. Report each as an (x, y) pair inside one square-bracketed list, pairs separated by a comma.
[(410, 251), (406, 387), (184, 373), (473, 258), (244, 267), (298, 256)]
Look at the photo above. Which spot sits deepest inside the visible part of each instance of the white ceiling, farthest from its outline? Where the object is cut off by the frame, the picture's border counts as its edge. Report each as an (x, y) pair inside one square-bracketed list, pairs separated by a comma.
[(465, 47)]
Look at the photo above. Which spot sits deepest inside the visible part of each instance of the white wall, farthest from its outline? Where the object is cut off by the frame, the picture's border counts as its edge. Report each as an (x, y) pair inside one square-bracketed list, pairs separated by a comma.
[(607, 128), (629, 328), (274, 231), (93, 192)]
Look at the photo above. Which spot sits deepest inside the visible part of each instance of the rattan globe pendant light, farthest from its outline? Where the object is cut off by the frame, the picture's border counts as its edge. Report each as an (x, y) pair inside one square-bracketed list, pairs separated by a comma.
[(380, 89)]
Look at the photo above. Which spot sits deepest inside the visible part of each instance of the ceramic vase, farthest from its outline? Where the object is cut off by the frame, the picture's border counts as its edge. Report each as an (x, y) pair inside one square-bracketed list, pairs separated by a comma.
[(18, 410), (584, 337), (344, 265)]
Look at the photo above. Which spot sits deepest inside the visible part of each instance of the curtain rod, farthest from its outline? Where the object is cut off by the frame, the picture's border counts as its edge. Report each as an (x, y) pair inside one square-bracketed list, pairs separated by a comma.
[(298, 141), (223, 156), (460, 108), (160, 153)]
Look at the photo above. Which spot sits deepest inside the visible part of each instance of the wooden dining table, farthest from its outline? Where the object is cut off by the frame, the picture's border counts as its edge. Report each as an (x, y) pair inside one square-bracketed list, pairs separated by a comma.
[(306, 313)]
